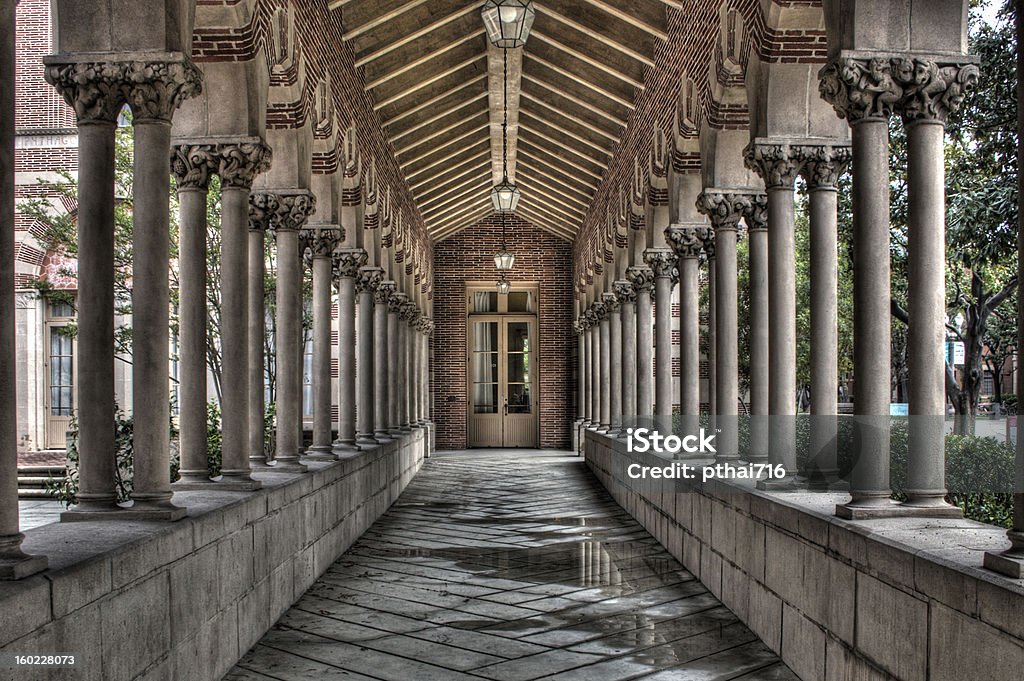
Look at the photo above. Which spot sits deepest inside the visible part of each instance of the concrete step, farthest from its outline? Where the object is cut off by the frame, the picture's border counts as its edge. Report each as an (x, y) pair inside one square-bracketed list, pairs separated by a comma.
[(33, 493), (32, 480)]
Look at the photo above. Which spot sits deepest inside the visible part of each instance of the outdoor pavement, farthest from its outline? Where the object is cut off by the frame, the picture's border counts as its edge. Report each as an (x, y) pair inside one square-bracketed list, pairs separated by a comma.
[(508, 565), (36, 512)]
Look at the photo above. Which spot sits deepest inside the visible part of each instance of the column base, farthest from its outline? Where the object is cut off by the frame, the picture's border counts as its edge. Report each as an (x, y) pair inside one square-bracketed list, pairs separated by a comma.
[(1009, 563), (344, 449), (224, 483), (382, 437), (366, 442), (889, 508), (19, 567), (290, 465), (261, 465), (933, 504), (786, 484), (164, 512)]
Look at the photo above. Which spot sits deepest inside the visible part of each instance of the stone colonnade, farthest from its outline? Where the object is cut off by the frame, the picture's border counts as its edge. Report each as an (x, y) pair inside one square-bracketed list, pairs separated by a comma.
[(866, 91)]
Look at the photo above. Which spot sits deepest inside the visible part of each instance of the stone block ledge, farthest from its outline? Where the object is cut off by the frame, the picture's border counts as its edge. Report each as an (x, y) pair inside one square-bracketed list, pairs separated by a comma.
[(185, 600), (894, 598)]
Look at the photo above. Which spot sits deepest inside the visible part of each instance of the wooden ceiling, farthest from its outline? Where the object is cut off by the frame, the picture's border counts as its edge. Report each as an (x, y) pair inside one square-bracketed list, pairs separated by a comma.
[(425, 63)]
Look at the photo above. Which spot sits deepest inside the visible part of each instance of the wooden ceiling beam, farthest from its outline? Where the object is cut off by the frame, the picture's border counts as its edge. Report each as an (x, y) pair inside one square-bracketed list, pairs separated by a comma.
[(438, 161), (443, 114), (589, 106), (454, 227), (433, 100), (436, 133), (415, 63), (568, 133), (575, 119), (443, 145), (441, 183), (606, 39), (570, 202), (538, 200), (379, 19), (458, 198), (547, 224), (576, 78), (567, 161), (451, 191), (459, 211), (587, 59), (555, 180), (413, 186), (633, 21), (428, 81), (409, 37)]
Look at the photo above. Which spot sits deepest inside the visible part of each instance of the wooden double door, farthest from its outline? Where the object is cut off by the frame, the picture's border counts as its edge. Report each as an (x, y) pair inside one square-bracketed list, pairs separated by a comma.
[(502, 381)]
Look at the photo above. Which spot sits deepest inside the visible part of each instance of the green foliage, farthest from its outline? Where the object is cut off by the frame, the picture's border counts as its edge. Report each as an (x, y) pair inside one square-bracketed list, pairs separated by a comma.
[(214, 439), (269, 431)]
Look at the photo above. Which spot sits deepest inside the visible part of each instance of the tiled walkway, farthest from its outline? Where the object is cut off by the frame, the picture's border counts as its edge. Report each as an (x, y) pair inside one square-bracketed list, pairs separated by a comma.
[(508, 566)]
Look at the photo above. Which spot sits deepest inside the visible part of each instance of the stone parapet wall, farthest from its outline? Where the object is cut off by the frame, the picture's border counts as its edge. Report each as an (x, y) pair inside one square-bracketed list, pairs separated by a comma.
[(186, 600), (838, 600)]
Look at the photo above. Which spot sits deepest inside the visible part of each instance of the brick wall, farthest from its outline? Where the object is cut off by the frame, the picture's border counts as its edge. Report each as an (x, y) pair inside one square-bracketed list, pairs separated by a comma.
[(540, 257)]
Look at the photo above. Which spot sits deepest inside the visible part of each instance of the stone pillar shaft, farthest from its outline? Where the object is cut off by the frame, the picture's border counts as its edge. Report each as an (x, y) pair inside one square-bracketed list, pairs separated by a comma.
[(759, 355), (287, 349), (192, 334), (151, 412), (393, 369), (588, 382), (14, 563), (346, 363), (606, 372), (782, 326), (322, 289), (581, 377), (726, 340), (689, 336), (926, 298), (663, 264), (255, 339), (369, 278), (643, 281)]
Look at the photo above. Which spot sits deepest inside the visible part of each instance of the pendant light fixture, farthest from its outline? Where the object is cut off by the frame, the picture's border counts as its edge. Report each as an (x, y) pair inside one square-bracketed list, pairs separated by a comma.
[(508, 22), (503, 285), (504, 195)]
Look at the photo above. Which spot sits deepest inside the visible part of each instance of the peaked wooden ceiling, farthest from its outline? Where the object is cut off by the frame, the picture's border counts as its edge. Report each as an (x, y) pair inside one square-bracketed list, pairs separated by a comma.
[(425, 63)]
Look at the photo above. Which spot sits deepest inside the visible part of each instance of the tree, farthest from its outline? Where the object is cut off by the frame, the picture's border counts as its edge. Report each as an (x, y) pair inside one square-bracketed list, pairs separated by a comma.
[(981, 190)]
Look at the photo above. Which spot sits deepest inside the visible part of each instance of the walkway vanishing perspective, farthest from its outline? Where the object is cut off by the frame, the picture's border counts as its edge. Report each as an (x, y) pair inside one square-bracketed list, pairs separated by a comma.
[(511, 566)]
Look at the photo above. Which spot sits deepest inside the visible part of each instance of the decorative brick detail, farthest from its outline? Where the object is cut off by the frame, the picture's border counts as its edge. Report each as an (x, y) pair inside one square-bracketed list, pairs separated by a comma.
[(541, 258)]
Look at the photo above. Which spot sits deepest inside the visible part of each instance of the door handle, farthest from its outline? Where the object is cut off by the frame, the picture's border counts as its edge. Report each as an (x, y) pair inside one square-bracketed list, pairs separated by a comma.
[(506, 407)]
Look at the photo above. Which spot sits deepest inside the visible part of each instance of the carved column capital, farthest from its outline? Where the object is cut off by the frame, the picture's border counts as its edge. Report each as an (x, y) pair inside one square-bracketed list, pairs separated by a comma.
[(932, 90), (293, 209), (193, 164), (599, 311), (823, 164), (262, 209), (611, 303), (241, 162), (385, 290), (155, 89), (726, 208), (346, 262), (642, 278), (663, 263), (321, 240), (624, 291), (95, 90), (368, 279), (410, 313), (686, 242), (397, 302), (774, 161), (860, 88), (579, 325)]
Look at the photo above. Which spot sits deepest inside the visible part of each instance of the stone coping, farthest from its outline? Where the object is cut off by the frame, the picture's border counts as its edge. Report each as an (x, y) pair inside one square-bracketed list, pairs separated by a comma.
[(938, 558)]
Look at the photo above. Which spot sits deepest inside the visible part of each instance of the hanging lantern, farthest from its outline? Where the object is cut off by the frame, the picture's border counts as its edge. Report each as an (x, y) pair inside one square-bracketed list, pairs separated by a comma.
[(508, 22), (503, 260), (505, 197), (503, 285)]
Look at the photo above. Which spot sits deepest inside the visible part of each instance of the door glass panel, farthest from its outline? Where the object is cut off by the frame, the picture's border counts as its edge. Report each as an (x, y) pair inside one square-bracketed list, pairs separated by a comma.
[(485, 398), (518, 367), (518, 337), (519, 398), (485, 336), (520, 301), (61, 372), (485, 367), (483, 301)]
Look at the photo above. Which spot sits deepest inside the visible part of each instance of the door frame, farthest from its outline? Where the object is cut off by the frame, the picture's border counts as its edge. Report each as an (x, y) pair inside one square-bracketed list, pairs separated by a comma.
[(53, 322), (500, 316)]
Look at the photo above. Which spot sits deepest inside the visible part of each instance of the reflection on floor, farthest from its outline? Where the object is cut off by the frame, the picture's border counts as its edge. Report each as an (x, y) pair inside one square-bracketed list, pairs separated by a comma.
[(508, 566)]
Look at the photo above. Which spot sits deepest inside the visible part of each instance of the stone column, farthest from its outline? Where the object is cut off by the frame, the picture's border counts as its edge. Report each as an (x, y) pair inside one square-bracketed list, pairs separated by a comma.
[(192, 165), (14, 563), (239, 163), (294, 208), (604, 368), (611, 365), (366, 285), (822, 166), (347, 264), (581, 373), (862, 91), (711, 343), (588, 383), (724, 212), (626, 295), (663, 264), (594, 379), (156, 90), (322, 241), (381, 361), (688, 245), (757, 268), (428, 328), (394, 364), (778, 166), (642, 278), (262, 208), (408, 316), (95, 92), (928, 101)]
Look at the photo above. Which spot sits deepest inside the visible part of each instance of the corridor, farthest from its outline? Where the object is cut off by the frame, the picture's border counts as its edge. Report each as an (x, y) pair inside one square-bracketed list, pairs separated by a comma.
[(508, 565)]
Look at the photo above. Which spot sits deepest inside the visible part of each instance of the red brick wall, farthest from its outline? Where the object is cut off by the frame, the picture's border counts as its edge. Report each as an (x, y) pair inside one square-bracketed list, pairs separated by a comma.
[(39, 107), (541, 258)]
